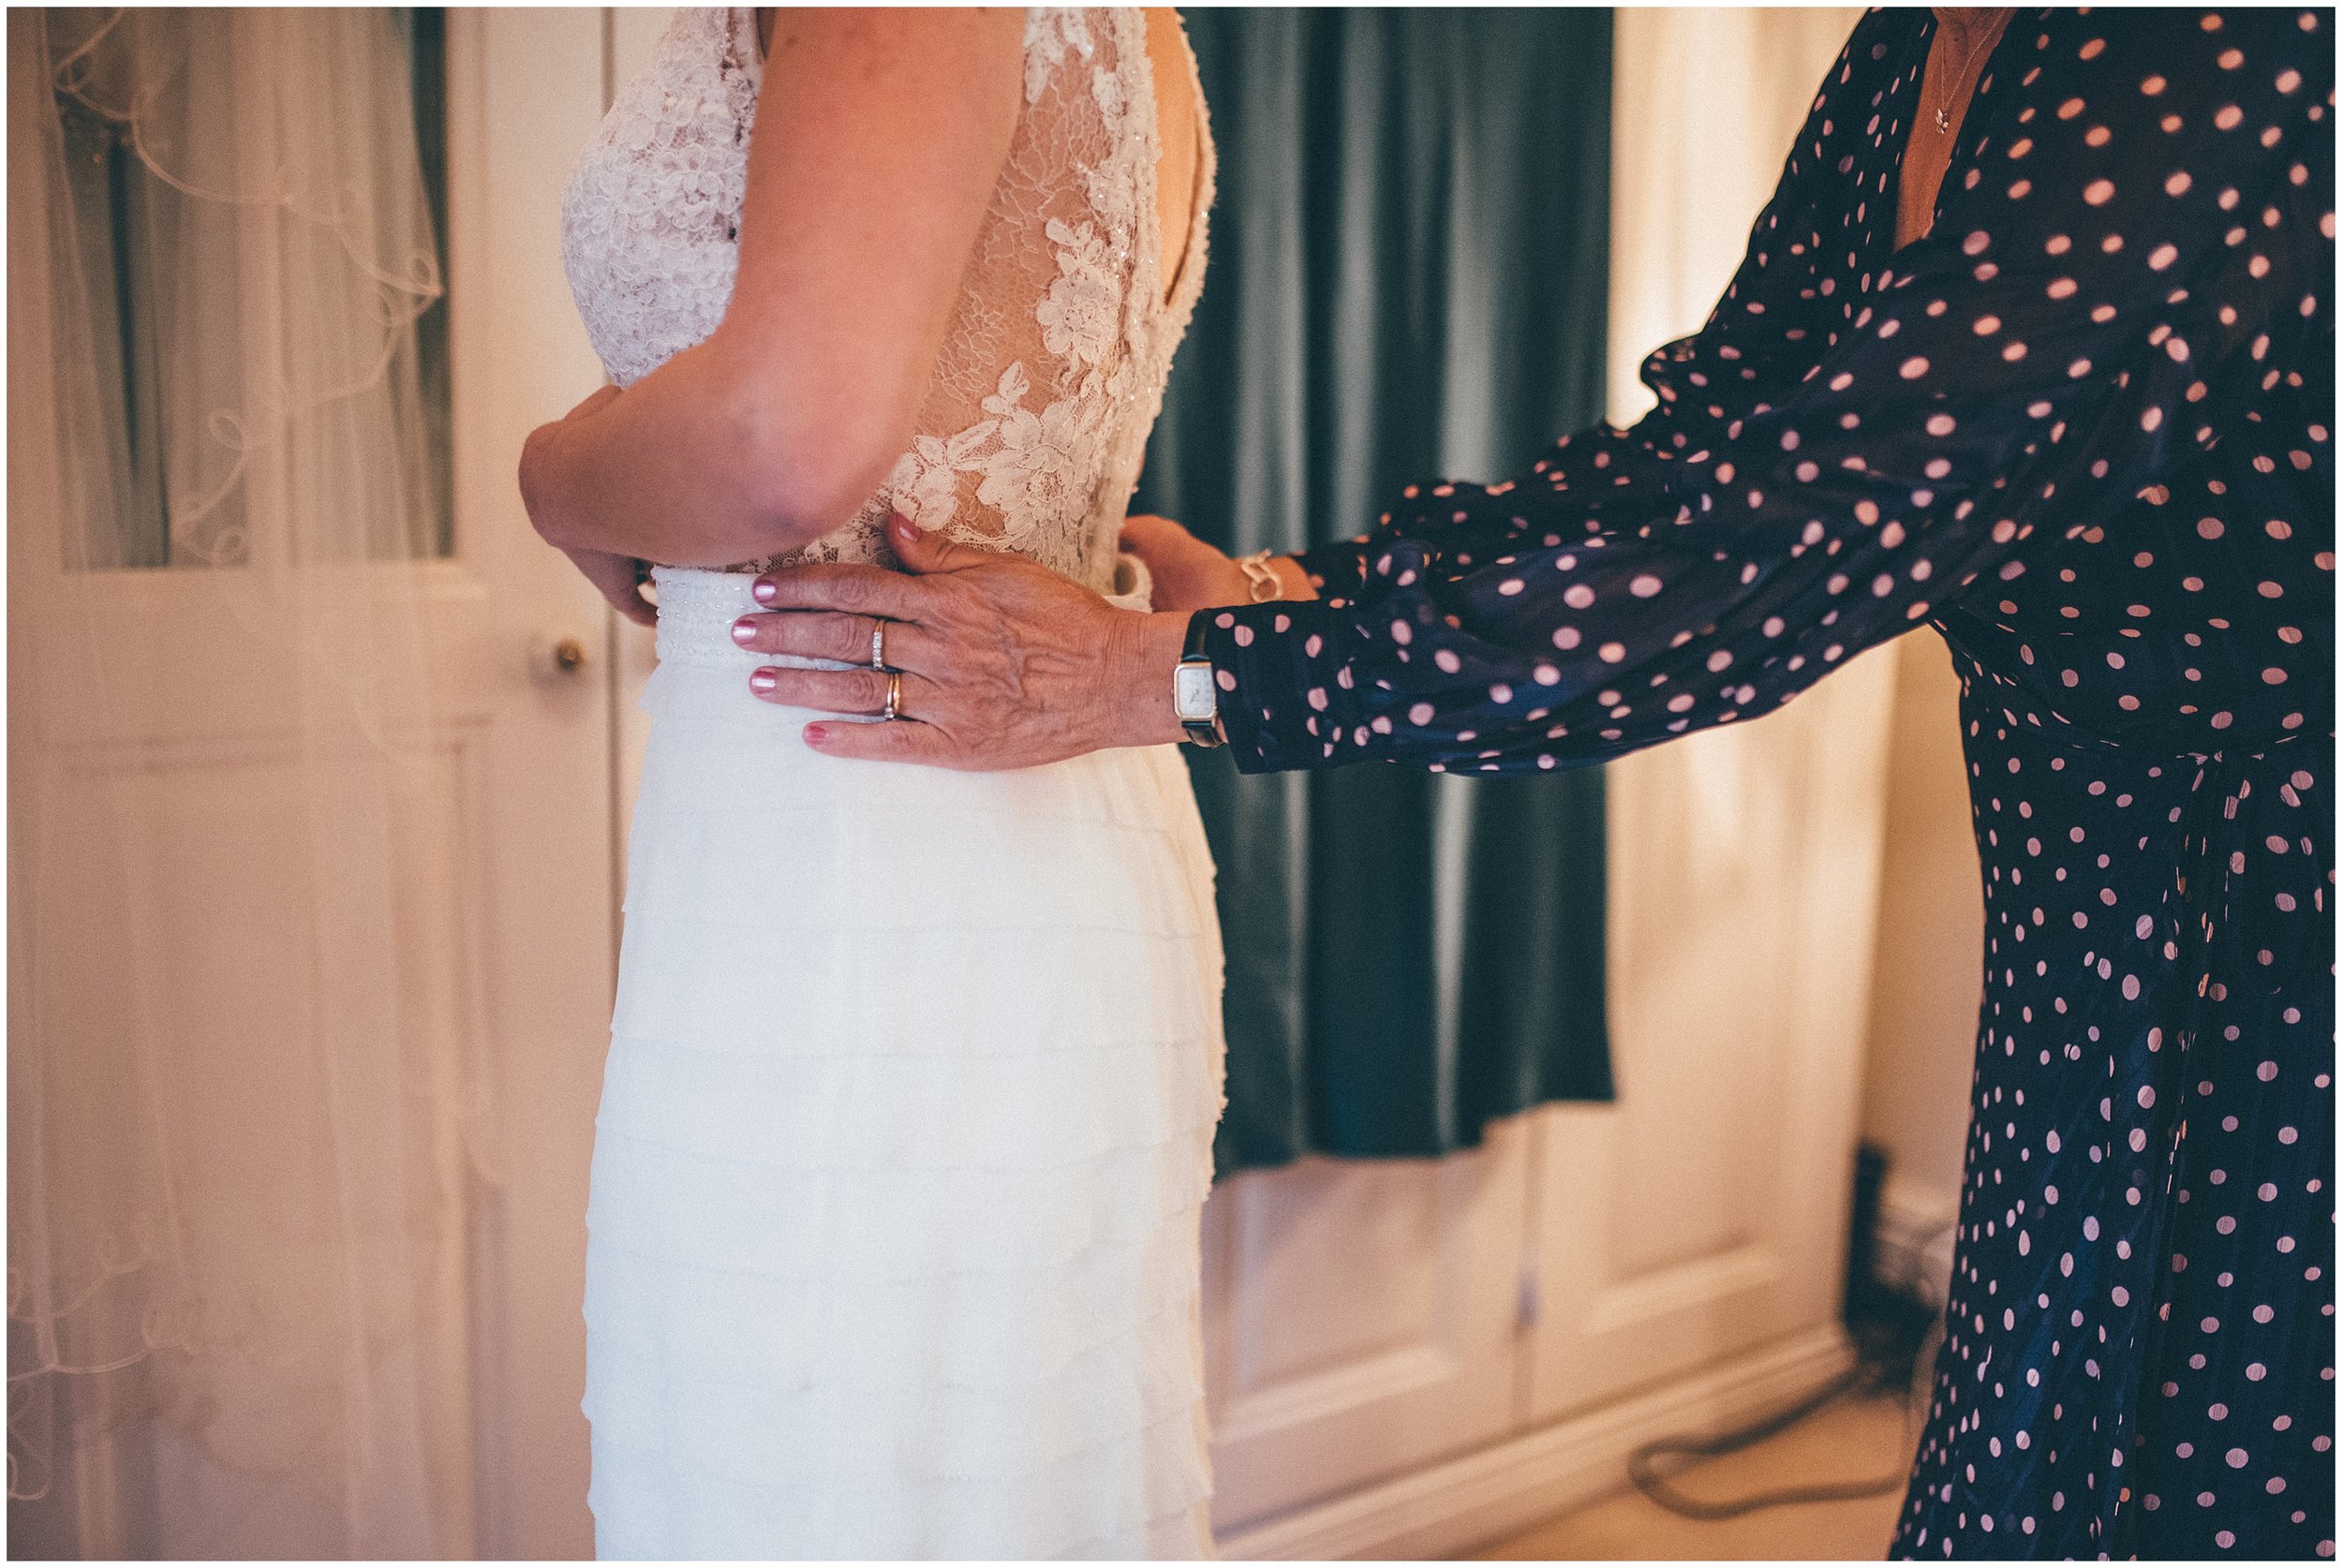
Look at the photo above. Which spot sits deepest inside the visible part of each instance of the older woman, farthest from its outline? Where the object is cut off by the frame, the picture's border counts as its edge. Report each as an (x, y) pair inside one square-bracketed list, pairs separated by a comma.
[(2073, 409)]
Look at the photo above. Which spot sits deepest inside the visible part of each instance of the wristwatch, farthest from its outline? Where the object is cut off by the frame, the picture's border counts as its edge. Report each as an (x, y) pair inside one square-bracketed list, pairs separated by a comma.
[(1195, 689)]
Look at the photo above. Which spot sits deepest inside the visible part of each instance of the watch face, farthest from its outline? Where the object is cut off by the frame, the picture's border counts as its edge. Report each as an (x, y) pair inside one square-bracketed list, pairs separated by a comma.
[(1192, 691)]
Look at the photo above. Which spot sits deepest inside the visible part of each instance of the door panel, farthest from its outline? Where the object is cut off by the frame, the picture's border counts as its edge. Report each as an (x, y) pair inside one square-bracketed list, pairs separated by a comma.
[(1704, 1213), (1358, 1320), (198, 840)]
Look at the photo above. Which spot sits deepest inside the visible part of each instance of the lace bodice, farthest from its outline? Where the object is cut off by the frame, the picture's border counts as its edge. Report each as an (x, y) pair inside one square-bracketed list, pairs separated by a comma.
[(1052, 372)]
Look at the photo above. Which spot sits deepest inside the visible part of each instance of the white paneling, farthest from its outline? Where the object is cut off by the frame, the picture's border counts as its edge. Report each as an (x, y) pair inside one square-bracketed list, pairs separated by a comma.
[(1703, 1215), (1451, 1509), (1357, 1321), (1931, 946), (1684, 187), (1684, 1241)]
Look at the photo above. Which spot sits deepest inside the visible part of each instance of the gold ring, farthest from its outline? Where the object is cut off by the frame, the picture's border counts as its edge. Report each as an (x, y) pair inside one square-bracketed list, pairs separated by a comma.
[(878, 645), (894, 696)]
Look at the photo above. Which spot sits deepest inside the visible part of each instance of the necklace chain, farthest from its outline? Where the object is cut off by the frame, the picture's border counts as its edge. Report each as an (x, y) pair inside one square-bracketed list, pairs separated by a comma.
[(1978, 54)]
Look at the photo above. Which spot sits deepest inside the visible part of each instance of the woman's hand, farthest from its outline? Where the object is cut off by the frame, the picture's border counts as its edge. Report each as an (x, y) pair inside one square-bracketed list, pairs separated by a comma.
[(1192, 575), (1188, 573), (1003, 663), (619, 578)]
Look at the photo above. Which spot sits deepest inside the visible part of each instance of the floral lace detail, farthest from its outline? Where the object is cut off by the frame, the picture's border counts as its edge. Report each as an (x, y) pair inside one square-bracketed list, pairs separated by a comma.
[(1052, 33), (1078, 318), (1051, 373)]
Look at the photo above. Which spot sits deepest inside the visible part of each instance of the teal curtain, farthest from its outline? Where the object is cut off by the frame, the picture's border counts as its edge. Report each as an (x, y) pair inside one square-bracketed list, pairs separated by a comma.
[(1408, 279)]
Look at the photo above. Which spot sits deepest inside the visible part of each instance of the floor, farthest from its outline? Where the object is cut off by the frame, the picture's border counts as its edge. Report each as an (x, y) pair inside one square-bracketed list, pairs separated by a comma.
[(1849, 1440)]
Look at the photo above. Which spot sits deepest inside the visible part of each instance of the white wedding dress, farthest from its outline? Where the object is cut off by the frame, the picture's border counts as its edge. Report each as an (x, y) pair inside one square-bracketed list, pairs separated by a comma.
[(907, 1113)]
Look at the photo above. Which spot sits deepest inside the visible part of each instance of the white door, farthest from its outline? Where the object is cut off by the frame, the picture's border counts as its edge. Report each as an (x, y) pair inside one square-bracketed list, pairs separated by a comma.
[(1704, 1213), (1359, 1319), (519, 789), (524, 92)]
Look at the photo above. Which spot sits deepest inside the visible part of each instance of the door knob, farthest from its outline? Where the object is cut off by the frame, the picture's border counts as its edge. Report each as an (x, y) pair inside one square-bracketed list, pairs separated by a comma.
[(557, 654)]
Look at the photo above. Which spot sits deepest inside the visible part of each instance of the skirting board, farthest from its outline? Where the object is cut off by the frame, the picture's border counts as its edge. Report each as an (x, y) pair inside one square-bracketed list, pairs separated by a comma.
[(1499, 1491)]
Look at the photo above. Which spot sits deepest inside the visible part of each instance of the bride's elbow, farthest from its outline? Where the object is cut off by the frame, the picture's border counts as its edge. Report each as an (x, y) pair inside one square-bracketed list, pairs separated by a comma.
[(538, 487), (803, 470)]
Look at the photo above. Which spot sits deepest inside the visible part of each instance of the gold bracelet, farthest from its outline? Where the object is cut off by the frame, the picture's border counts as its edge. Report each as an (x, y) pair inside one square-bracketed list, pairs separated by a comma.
[(1266, 585)]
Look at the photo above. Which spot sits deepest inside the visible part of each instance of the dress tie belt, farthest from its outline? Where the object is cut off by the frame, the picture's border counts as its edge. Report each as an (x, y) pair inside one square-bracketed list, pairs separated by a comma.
[(2235, 910)]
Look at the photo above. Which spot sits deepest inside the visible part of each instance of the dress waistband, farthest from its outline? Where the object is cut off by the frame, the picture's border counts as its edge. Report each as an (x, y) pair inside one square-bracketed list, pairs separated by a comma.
[(696, 609)]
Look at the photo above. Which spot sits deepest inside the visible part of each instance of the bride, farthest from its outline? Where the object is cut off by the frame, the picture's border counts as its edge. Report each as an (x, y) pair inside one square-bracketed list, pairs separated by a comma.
[(908, 1111)]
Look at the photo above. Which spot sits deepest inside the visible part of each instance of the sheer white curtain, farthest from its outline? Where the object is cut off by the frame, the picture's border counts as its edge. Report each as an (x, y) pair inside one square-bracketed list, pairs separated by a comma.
[(238, 1087)]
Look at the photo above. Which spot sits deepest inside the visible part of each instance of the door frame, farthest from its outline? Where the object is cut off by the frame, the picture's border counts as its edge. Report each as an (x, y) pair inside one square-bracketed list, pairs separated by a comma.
[(526, 90)]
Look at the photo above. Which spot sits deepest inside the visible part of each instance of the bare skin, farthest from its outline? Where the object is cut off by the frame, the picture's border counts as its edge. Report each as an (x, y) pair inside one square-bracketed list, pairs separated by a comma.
[(1174, 124), (1007, 665)]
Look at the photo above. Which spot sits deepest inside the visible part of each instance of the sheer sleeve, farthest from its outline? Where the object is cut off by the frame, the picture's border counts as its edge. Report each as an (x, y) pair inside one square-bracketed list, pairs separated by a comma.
[(1854, 439)]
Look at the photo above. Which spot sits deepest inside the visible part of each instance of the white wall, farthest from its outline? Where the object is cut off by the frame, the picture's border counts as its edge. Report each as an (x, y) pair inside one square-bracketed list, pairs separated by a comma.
[(1928, 973)]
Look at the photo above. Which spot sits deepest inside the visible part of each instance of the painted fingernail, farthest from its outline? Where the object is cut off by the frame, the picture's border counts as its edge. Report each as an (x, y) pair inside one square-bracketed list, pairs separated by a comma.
[(904, 527), (763, 591), (816, 734), (743, 630), (764, 681)]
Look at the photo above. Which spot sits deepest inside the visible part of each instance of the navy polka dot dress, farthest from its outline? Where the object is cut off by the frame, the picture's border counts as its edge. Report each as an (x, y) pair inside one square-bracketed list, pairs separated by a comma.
[(2085, 429)]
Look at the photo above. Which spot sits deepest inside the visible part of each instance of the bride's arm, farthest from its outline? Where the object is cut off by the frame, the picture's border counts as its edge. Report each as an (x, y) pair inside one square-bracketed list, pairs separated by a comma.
[(879, 137)]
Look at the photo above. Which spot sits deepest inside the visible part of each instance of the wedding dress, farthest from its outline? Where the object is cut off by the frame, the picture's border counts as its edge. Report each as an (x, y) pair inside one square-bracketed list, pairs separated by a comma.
[(907, 1119)]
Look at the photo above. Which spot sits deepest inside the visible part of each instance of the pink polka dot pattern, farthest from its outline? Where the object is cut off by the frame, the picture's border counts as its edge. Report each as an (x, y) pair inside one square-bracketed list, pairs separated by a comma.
[(2085, 429)]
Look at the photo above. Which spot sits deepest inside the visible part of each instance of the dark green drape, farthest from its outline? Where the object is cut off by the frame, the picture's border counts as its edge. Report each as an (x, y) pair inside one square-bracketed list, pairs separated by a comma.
[(1408, 279)]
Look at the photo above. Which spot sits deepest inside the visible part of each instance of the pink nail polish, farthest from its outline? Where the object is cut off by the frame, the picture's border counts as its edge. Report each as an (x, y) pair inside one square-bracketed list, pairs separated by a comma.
[(743, 630), (816, 735), (763, 680), (763, 591)]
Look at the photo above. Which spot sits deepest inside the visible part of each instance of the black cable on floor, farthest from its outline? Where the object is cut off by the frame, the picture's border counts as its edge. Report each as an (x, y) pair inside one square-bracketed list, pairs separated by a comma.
[(1889, 1356), (1642, 1465)]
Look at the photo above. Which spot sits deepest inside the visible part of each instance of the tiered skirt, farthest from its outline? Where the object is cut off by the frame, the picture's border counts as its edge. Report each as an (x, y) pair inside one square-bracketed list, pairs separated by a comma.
[(905, 1130)]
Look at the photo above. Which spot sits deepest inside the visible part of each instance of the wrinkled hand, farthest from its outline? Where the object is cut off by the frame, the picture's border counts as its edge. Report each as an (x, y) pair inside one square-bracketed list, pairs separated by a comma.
[(1188, 573), (1005, 663)]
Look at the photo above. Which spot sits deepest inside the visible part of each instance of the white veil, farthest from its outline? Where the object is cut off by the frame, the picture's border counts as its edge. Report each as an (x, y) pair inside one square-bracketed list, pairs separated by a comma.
[(238, 1081)]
